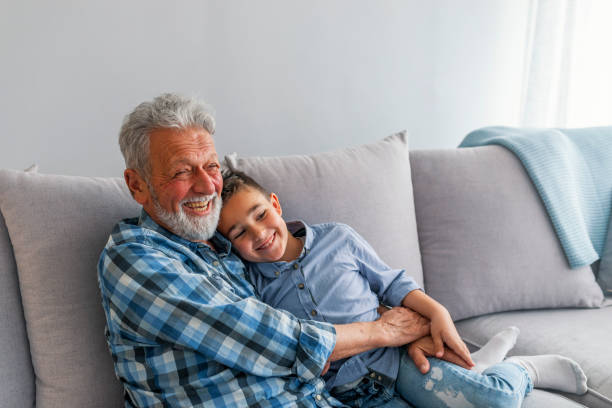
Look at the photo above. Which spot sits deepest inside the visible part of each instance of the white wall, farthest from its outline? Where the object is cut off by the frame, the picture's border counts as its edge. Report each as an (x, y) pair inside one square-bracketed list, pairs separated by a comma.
[(283, 76)]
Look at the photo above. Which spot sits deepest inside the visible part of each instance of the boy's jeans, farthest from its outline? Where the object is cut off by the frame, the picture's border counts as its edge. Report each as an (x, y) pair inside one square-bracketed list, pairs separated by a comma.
[(448, 385)]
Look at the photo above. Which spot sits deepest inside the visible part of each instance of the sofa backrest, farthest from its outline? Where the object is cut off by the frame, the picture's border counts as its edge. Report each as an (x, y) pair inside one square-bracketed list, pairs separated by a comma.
[(57, 227), (16, 373)]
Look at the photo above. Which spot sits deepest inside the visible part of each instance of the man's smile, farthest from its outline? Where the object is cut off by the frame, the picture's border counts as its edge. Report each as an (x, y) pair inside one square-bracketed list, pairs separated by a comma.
[(199, 206)]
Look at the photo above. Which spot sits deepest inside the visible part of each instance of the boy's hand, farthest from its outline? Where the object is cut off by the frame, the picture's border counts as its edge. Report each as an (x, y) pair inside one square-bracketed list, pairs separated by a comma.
[(420, 349), (443, 332)]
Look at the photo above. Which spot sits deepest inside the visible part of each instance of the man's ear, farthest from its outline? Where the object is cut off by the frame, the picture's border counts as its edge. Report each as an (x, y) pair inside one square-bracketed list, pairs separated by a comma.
[(137, 185), (276, 204)]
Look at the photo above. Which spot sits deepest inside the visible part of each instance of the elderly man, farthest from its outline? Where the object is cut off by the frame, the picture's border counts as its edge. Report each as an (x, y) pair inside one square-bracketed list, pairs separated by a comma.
[(184, 325)]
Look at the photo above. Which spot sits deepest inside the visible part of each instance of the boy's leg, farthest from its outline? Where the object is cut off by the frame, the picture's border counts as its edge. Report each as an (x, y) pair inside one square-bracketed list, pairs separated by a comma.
[(446, 384), (554, 372), (496, 349)]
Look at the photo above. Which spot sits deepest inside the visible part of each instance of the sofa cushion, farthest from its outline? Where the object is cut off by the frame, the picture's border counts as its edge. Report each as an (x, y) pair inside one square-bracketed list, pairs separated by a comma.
[(58, 226), (580, 334), (486, 241), (367, 187), (16, 374), (604, 270), (544, 399)]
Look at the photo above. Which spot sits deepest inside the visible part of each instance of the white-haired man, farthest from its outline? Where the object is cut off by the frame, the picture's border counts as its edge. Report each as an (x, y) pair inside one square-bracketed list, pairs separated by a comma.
[(183, 324)]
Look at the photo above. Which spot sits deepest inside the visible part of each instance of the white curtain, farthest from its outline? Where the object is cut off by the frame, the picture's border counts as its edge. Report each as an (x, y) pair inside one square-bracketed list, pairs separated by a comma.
[(568, 64)]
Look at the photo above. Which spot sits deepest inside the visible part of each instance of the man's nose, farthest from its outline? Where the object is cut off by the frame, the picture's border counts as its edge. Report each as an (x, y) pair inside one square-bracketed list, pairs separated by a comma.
[(203, 183)]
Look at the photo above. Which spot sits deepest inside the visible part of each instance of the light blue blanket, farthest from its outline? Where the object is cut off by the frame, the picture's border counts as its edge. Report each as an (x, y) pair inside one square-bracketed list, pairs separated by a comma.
[(572, 171)]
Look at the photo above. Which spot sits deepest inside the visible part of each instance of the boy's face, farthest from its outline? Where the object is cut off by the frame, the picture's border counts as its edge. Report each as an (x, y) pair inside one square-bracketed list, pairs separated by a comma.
[(253, 224)]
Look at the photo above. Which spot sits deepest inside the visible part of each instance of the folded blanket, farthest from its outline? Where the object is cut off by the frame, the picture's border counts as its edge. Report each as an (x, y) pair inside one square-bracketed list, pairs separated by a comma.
[(572, 171)]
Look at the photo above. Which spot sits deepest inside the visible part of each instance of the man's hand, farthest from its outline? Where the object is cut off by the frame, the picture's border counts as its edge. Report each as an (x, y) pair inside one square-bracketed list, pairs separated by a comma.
[(424, 347), (400, 326)]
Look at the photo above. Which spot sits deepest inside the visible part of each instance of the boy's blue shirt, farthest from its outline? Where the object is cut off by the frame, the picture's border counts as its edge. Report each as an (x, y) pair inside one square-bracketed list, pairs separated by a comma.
[(338, 278)]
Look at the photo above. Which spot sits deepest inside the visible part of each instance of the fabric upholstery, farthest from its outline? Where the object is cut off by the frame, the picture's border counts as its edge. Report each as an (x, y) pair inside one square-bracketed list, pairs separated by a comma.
[(604, 270), (583, 335), (16, 373), (486, 241), (367, 187), (58, 225)]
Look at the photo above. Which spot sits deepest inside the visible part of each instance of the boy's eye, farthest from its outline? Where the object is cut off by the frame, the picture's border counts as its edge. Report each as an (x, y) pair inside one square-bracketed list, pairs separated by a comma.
[(239, 234), (261, 215)]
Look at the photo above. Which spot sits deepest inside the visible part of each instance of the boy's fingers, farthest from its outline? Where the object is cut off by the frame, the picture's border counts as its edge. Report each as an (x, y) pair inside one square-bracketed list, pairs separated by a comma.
[(438, 346), (452, 357)]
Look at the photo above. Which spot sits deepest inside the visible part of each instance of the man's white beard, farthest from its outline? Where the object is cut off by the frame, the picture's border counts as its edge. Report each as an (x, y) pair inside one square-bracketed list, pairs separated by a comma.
[(189, 227)]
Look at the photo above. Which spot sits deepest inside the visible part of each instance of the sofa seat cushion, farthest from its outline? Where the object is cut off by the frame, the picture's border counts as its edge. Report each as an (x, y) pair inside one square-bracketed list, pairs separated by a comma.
[(580, 334)]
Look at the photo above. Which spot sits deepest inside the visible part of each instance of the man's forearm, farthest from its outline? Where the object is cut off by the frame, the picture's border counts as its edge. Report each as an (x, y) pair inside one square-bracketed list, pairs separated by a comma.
[(395, 327), (355, 338)]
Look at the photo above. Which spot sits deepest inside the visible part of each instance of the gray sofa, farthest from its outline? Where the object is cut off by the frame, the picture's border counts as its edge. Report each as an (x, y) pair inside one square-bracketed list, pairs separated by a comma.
[(466, 223)]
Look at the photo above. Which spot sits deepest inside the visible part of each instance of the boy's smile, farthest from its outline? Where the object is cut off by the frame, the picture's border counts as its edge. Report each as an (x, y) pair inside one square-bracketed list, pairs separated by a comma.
[(254, 225)]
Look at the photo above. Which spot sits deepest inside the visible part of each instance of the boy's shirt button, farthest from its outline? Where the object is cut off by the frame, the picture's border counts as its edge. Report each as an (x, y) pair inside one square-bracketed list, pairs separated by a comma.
[(276, 273), (215, 263), (300, 285), (313, 312), (296, 266)]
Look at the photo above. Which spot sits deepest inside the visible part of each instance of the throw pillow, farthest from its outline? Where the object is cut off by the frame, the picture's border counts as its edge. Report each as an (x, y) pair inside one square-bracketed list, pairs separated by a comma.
[(486, 240), (58, 225)]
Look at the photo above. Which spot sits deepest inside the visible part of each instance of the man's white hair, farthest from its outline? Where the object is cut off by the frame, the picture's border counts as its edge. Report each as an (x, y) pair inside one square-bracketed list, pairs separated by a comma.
[(167, 111)]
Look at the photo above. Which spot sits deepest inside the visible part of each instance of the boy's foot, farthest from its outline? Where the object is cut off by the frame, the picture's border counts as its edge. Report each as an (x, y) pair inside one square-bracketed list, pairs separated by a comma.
[(495, 350), (553, 372)]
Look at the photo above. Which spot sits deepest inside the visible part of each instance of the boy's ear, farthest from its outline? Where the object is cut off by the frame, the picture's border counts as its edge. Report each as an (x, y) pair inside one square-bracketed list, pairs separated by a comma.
[(276, 203), (138, 187)]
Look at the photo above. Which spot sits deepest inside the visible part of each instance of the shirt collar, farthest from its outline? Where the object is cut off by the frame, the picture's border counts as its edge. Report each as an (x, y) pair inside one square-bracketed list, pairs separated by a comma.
[(221, 244), (270, 269)]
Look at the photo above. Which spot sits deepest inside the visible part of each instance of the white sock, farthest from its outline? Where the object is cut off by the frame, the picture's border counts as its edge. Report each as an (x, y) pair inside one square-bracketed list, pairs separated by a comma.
[(496, 349), (554, 372)]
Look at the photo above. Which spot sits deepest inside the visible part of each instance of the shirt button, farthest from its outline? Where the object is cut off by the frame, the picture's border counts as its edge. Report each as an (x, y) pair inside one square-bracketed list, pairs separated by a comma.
[(313, 312), (318, 397), (300, 285), (372, 375), (296, 266), (216, 263), (276, 273), (379, 378)]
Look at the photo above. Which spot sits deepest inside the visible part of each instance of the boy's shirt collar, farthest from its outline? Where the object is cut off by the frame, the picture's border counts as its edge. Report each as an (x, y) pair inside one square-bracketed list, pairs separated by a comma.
[(298, 229)]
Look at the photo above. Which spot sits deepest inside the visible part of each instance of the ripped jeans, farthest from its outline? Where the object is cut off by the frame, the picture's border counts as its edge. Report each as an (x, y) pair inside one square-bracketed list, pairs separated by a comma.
[(448, 385)]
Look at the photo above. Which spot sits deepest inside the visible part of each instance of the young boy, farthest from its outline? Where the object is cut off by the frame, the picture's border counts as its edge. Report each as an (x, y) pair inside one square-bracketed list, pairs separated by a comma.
[(328, 272)]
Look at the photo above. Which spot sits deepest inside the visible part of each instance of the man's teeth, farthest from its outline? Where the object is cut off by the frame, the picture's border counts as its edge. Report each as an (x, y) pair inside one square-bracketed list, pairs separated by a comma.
[(197, 205)]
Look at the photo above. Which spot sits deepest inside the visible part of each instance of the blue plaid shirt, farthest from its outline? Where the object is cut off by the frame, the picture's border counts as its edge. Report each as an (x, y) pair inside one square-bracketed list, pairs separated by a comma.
[(185, 329)]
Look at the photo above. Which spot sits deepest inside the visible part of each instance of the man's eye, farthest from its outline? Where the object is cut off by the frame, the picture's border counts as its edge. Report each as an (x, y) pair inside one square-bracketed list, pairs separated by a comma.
[(180, 173), (261, 215), (214, 166)]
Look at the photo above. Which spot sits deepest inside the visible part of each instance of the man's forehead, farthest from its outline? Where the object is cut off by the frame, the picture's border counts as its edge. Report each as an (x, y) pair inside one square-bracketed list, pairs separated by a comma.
[(171, 146)]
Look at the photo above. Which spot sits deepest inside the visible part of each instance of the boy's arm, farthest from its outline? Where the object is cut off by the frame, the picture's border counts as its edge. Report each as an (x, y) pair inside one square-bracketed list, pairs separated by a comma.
[(443, 330)]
